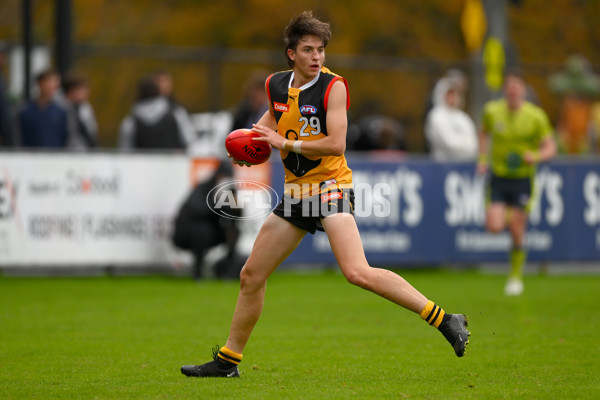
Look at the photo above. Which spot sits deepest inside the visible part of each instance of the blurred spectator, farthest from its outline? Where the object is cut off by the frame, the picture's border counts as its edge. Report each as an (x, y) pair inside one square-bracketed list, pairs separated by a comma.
[(155, 122), (6, 132), (450, 132), (84, 133), (43, 122), (577, 86), (379, 132), (198, 228), (461, 87), (164, 81), (254, 104)]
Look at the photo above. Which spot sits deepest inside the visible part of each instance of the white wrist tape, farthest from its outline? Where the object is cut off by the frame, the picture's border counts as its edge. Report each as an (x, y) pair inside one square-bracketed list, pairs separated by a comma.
[(297, 147)]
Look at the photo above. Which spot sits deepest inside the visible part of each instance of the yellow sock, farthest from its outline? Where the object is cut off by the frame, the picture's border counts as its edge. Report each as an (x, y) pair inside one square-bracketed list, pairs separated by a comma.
[(229, 356), (517, 261), (432, 314)]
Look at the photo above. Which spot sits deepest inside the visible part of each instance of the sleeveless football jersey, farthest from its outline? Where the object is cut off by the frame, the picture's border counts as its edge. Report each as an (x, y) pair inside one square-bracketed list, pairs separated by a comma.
[(301, 115)]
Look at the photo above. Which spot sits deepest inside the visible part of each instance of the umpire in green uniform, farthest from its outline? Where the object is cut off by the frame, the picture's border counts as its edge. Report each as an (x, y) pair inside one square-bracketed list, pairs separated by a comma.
[(514, 137)]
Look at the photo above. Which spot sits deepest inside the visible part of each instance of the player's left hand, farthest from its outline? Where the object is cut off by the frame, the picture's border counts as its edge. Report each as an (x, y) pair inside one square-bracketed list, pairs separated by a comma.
[(237, 162), (269, 136)]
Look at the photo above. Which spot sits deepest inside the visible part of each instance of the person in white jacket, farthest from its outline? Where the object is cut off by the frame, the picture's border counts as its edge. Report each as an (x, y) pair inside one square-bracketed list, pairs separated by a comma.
[(451, 133)]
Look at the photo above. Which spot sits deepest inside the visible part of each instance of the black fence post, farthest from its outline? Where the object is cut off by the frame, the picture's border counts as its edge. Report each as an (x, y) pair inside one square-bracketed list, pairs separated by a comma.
[(26, 15), (64, 40)]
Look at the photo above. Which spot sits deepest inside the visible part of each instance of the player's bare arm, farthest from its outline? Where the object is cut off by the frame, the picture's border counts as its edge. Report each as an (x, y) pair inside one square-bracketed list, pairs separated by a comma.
[(268, 119)]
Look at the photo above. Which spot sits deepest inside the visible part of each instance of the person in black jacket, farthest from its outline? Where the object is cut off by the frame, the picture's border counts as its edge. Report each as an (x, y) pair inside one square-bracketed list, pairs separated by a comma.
[(254, 104), (84, 126), (198, 227)]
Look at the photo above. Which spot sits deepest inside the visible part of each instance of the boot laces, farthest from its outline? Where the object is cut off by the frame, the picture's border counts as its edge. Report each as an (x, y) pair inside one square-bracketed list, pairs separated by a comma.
[(215, 352)]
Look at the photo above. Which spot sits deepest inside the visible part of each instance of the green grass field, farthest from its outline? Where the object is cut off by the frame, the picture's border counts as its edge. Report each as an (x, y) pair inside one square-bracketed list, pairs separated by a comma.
[(318, 338)]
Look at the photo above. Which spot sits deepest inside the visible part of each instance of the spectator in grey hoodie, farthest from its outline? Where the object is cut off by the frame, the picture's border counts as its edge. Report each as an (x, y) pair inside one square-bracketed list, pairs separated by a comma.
[(155, 122)]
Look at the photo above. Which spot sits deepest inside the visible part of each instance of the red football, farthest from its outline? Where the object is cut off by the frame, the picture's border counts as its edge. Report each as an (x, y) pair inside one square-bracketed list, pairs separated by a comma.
[(240, 146)]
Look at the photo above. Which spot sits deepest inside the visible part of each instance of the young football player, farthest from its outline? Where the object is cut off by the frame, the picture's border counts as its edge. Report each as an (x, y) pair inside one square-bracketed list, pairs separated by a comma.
[(307, 122)]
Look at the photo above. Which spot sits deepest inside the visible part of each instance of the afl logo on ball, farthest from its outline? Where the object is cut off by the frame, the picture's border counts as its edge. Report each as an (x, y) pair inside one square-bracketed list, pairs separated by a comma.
[(310, 110)]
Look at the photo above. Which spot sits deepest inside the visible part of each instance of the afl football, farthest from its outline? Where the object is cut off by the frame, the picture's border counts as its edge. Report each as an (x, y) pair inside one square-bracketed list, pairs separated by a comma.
[(241, 146)]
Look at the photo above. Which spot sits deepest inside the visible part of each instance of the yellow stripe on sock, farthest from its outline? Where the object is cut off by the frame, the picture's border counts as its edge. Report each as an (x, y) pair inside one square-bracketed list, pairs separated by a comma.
[(427, 309), (432, 314), (230, 356), (437, 319)]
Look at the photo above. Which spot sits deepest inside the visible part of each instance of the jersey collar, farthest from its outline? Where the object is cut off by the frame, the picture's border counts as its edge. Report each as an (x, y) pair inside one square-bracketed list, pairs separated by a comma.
[(306, 85)]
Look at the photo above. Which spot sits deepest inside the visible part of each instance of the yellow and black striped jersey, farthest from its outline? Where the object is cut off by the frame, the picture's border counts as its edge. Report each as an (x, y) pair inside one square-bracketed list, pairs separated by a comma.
[(301, 115)]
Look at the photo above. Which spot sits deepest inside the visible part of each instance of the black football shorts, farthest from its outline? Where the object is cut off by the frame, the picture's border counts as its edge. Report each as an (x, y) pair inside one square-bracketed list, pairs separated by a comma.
[(307, 213), (514, 192)]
